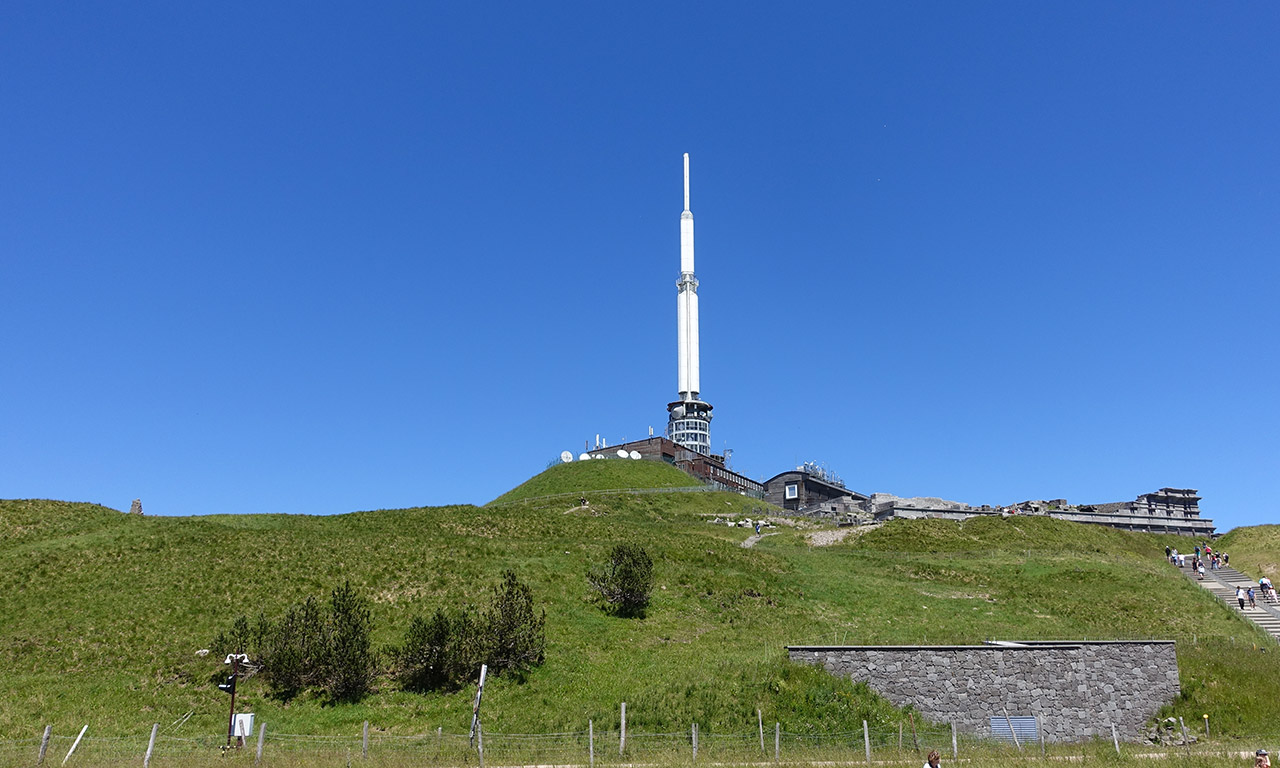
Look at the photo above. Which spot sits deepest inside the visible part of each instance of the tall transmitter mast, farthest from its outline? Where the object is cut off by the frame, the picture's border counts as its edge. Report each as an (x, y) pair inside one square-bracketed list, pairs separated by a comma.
[(689, 420)]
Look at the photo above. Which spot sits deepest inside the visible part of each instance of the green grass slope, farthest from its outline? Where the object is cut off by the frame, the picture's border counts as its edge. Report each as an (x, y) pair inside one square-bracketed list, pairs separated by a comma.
[(606, 475), (104, 612), (1254, 550)]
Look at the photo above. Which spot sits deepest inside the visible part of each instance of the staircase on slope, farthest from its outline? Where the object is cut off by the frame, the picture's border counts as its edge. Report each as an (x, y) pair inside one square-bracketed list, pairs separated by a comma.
[(1222, 583)]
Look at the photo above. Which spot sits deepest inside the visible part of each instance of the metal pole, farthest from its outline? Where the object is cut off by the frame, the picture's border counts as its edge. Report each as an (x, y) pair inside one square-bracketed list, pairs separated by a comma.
[(866, 741), (146, 760), (1114, 738), (475, 708), (231, 719), (74, 745), (1185, 738)]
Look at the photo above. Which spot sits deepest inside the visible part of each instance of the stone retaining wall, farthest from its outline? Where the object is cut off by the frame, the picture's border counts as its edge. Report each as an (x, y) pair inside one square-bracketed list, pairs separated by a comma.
[(1078, 690)]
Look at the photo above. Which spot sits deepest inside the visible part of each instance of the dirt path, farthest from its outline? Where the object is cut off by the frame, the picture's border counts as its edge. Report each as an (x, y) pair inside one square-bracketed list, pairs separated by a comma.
[(751, 540)]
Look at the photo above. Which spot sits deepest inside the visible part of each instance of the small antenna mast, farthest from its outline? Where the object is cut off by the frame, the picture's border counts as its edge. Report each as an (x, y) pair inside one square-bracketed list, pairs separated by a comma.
[(686, 181)]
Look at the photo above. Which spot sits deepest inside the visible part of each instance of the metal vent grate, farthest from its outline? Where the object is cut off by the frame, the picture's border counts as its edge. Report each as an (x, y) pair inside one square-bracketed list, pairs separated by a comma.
[(1024, 727)]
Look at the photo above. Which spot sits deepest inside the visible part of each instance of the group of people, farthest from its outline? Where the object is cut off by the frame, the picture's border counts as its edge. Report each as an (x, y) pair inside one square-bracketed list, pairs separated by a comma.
[(1201, 556)]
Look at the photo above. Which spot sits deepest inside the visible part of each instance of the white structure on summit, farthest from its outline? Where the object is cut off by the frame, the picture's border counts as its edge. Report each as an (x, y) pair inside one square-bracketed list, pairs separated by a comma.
[(689, 420)]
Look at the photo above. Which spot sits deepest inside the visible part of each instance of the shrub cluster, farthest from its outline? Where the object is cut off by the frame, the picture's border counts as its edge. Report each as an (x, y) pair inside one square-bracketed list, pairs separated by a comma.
[(626, 581), (446, 650), (311, 646)]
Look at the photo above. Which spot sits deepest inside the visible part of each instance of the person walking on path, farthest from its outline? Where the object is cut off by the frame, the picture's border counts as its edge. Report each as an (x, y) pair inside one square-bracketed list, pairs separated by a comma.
[(1240, 597), (1200, 571), (1252, 602)]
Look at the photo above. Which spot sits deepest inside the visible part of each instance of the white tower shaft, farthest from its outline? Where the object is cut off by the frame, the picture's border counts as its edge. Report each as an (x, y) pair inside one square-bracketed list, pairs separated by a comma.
[(688, 384)]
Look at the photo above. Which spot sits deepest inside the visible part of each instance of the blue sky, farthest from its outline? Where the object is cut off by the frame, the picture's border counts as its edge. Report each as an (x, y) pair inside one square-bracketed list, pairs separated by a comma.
[(318, 258)]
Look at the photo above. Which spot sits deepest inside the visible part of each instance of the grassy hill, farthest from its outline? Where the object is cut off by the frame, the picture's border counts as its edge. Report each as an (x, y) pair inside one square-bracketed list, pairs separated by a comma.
[(580, 476), (1254, 550), (104, 612)]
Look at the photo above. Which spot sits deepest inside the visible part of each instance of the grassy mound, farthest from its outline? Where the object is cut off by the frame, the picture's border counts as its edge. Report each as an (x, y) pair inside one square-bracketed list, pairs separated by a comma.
[(105, 612), (600, 475), (1254, 550)]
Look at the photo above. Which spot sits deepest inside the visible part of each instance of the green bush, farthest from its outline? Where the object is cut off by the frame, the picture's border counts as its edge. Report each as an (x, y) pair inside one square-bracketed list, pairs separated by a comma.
[(350, 664), (310, 648), (446, 650), (517, 635), (626, 581)]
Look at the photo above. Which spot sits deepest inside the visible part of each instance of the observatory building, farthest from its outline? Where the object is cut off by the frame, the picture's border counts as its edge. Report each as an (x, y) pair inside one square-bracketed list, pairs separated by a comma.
[(689, 418)]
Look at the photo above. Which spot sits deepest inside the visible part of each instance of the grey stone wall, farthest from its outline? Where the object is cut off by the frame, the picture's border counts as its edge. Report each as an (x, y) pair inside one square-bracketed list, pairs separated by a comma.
[(1078, 690)]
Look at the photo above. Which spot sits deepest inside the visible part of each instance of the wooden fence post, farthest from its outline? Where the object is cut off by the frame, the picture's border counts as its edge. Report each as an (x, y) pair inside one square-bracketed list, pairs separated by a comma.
[(151, 744), (694, 732), (1040, 730), (866, 741), (591, 743), (364, 741), (480, 742), (760, 722), (44, 743), (262, 735), (955, 746), (1012, 733), (915, 741), (1115, 739), (777, 740), (76, 743), (622, 740)]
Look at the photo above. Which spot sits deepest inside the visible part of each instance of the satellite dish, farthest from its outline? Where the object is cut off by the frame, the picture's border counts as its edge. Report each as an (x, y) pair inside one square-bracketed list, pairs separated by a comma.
[(584, 457), (635, 454), (599, 456), (566, 457), (622, 454)]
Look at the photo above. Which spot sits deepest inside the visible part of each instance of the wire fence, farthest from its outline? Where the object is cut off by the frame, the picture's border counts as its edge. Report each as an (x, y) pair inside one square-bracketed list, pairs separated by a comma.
[(764, 744)]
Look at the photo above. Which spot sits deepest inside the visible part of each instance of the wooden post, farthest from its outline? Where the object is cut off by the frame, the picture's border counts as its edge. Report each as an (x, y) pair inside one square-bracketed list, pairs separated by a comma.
[(899, 734), (81, 736), (777, 740), (591, 743), (760, 722), (866, 741), (1040, 730), (480, 742), (364, 741), (622, 739), (44, 743), (262, 735), (439, 739), (1012, 733), (915, 741), (695, 741), (1115, 739), (955, 745), (146, 760)]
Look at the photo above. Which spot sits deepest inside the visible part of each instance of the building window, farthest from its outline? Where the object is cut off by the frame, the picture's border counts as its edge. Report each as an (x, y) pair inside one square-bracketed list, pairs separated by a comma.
[(792, 491)]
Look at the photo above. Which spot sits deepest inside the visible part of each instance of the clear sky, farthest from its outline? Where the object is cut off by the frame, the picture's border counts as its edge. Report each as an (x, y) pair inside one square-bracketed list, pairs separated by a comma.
[(317, 258)]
